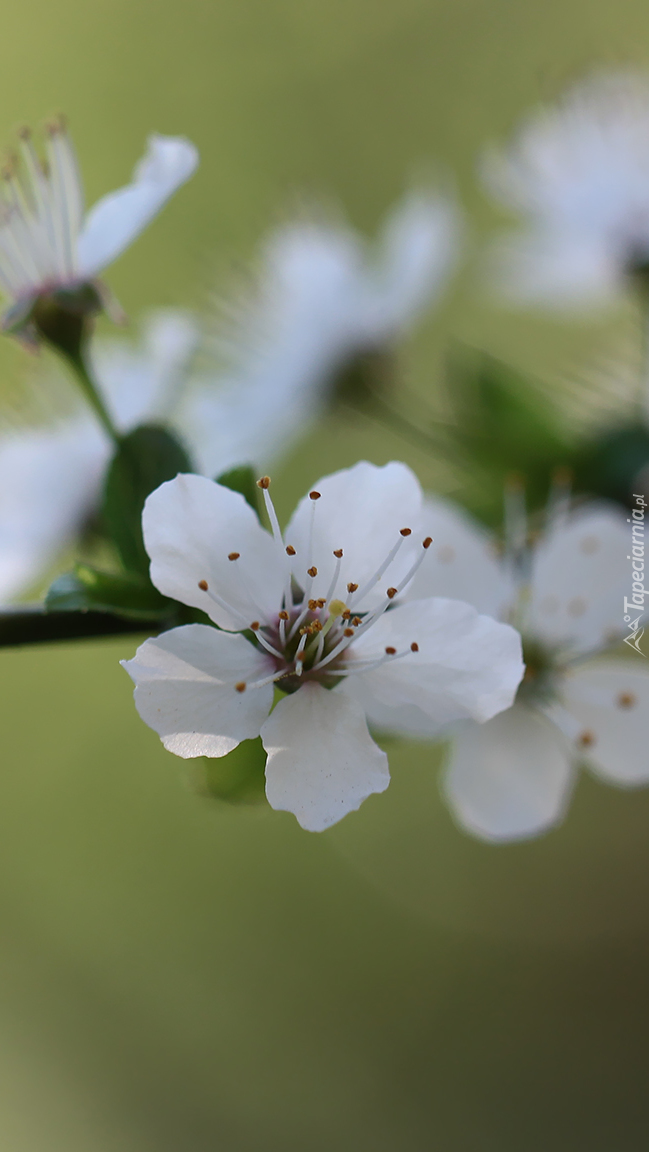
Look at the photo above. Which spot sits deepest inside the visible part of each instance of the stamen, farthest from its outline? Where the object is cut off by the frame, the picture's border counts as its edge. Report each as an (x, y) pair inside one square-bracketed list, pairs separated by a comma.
[(392, 592), (264, 484), (265, 643), (352, 588), (315, 495), (338, 553), (414, 647), (357, 667), (312, 572), (233, 555), (267, 680), (283, 617), (204, 587), (241, 686), (299, 654), (382, 567)]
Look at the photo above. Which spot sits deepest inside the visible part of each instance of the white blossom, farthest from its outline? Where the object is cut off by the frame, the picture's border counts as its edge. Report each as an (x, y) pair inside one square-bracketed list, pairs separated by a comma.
[(512, 777), (50, 476), (47, 240), (579, 174), (317, 613), (323, 297)]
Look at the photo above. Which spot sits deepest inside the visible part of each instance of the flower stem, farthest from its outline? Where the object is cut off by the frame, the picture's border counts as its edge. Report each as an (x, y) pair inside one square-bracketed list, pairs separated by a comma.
[(92, 395)]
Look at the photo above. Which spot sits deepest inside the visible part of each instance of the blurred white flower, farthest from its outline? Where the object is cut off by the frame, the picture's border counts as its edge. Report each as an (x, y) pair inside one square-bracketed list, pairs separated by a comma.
[(580, 174), (512, 777), (307, 613), (47, 243), (323, 297), (50, 477)]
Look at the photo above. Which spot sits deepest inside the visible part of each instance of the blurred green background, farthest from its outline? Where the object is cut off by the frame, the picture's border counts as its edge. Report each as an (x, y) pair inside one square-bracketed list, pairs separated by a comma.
[(178, 974)]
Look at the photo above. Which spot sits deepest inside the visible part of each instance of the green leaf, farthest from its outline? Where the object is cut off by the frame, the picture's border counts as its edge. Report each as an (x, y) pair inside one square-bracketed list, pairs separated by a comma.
[(123, 594), (243, 480), (504, 424), (237, 778), (611, 464), (145, 458)]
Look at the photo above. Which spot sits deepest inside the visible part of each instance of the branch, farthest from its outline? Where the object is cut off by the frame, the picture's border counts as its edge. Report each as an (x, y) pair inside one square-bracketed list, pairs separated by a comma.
[(31, 624)]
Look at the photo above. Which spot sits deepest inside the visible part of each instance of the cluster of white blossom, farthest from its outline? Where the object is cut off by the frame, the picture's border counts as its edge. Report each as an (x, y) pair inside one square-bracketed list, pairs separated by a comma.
[(377, 609)]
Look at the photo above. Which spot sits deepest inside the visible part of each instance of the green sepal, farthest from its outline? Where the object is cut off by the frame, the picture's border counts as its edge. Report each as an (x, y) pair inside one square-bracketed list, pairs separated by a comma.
[(86, 589), (144, 459), (237, 778), (242, 479)]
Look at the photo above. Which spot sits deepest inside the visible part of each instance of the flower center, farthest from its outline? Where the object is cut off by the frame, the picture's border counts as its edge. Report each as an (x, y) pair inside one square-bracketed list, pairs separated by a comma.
[(309, 638), (539, 683)]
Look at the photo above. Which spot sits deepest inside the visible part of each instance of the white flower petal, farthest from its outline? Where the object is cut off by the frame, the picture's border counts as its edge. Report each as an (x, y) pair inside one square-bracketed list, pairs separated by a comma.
[(361, 510), (417, 248), (191, 526), (142, 381), (322, 761), (49, 482), (556, 269), (119, 217), (510, 778), (461, 562), (580, 174), (467, 666), (185, 689), (610, 700), (579, 576)]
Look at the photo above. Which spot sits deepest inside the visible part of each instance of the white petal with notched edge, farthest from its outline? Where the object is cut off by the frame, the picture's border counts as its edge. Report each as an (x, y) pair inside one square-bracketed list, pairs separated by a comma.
[(322, 761), (185, 689), (467, 666), (511, 778), (461, 562), (120, 216), (361, 510), (611, 701), (191, 525), (579, 572)]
